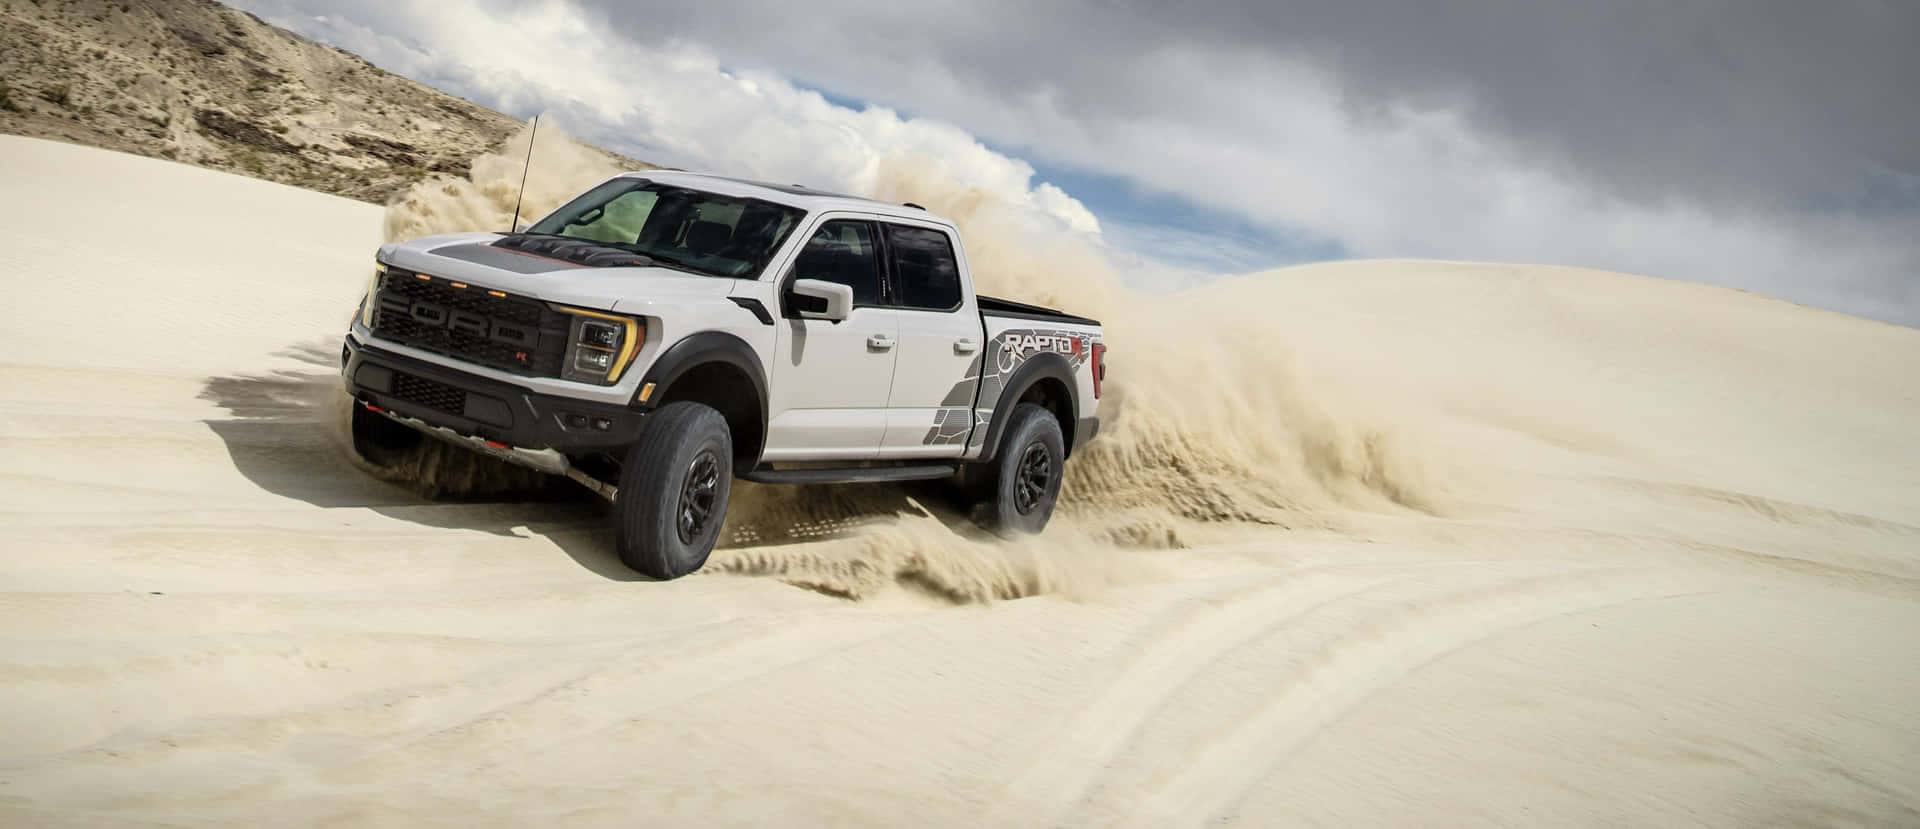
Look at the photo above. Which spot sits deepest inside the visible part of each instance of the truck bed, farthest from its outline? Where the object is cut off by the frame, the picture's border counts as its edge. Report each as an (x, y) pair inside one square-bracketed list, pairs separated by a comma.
[(995, 306)]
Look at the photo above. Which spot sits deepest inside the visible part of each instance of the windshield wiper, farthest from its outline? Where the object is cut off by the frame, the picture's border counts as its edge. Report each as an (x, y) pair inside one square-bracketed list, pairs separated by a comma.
[(582, 250), (646, 258), (662, 260), (678, 265)]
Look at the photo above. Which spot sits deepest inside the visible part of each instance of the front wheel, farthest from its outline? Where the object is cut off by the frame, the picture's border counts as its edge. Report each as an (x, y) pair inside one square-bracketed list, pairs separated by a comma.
[(673, 491), (1024, 479)]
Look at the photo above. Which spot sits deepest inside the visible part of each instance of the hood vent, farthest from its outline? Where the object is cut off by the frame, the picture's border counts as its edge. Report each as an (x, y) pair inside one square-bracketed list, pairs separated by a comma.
[(572, 251)]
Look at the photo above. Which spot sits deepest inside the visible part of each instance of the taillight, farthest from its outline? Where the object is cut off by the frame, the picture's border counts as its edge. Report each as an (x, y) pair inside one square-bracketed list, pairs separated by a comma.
[(1099, 367)]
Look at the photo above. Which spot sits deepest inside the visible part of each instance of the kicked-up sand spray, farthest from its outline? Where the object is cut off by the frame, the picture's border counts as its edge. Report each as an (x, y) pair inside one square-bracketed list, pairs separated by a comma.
[(1209, 424)]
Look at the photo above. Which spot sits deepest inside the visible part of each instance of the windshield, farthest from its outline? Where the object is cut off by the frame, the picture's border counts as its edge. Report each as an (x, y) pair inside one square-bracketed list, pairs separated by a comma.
[(690, 229)]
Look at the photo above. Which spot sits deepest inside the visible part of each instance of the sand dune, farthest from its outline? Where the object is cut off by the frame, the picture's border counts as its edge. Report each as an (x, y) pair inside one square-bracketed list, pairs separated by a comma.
[(1401, 543)]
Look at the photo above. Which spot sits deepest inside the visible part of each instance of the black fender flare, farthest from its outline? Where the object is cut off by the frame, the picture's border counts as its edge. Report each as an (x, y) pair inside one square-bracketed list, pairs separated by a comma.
[(1042, 366), (697, 350)]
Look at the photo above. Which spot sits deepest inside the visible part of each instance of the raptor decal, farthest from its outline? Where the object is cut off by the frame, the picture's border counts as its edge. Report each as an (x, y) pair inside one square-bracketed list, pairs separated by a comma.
[(1003, 356)]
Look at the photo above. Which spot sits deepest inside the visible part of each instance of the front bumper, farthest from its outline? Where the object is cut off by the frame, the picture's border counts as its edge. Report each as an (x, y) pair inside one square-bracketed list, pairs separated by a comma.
[(474, 406)]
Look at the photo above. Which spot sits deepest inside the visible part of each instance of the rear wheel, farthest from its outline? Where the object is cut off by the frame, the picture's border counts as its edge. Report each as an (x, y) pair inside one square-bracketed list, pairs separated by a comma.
[(1024, 477), (673, 494)]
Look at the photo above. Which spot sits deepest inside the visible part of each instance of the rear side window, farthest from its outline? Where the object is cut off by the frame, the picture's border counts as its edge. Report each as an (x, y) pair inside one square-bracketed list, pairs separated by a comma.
[(843, 252), (924, 273)]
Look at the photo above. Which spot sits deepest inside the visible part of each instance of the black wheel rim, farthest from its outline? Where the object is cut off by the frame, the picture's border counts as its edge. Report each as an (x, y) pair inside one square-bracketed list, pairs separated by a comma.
[(698, 496), (1032, 478)]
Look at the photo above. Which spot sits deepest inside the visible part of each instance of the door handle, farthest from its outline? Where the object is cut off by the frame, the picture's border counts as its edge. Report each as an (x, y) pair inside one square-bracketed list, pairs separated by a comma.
[(880, 342), (965, 345)]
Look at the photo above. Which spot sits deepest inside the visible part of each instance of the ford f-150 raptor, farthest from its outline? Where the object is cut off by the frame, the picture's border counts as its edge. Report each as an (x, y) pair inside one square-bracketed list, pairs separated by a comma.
[(666, 332)]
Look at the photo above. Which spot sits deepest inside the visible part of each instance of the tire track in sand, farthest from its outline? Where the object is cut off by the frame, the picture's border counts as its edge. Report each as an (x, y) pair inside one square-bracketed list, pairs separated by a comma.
[(1184, 648), (1357, 658)]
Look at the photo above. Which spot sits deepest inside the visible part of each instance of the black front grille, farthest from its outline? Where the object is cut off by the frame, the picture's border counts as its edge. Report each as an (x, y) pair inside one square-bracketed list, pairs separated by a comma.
[(437, 396), (502, 331)]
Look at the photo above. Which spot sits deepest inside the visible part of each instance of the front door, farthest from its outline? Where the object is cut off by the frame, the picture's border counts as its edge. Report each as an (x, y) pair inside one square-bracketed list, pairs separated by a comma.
[(831, 380)]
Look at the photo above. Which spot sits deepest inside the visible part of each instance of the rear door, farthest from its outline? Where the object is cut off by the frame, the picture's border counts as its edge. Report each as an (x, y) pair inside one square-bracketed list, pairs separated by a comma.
[(930, 410), (830, 380)]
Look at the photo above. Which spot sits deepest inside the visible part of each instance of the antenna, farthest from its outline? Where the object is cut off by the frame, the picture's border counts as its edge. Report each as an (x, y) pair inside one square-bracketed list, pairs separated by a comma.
[(515, 226)]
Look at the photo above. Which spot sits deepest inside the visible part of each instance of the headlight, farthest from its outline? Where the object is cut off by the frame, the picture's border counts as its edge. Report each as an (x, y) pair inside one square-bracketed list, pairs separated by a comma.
[(373, 286), (600, 346)]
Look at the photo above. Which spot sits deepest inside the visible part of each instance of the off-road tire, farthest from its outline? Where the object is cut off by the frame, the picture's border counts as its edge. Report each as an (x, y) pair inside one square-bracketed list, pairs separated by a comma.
[(684, 451), (1014, 500)]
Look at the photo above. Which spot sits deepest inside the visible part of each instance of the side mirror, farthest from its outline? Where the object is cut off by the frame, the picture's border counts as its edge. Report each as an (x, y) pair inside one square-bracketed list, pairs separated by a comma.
[(836, 298)]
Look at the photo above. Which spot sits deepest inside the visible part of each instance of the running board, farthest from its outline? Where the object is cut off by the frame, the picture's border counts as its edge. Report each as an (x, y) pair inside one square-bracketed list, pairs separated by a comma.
[(852, 475)]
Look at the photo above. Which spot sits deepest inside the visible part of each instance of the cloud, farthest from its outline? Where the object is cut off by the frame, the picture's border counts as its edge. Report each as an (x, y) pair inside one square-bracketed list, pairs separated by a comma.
[(1761, 145), (1712, 98), (670, 103), (1765, 145), (1148, 253)]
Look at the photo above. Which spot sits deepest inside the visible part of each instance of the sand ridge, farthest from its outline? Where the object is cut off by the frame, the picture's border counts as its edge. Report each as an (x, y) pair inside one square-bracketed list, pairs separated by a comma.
[(1433, 543)]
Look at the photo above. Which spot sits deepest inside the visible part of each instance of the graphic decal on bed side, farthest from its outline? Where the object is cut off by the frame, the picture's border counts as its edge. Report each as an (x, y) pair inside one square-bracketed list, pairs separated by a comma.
[(1003, 356), (952, 422)]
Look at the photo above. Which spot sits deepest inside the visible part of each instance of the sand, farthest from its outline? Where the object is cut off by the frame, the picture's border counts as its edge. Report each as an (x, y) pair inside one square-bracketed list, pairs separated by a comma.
[(1375, 543)]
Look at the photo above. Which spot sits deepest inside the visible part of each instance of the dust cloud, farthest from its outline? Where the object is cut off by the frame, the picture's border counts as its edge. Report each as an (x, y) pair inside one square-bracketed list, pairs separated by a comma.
[(1206, 415), (1210, 428), (484, 200)]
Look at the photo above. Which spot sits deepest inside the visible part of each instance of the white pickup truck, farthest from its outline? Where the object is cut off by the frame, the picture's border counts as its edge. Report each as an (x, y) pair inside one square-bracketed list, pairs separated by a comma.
[(666, 332)]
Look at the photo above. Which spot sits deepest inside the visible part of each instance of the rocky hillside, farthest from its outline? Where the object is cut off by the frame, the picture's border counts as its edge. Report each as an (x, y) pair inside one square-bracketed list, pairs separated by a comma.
[(198, 82)]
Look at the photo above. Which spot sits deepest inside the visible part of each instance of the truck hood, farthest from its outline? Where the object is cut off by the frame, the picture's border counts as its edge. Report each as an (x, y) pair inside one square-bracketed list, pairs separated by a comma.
[(471, 258)]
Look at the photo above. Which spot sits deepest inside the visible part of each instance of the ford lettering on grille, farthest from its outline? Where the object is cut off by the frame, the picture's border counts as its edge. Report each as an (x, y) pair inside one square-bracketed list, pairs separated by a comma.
[(470, 323), (473, 325)]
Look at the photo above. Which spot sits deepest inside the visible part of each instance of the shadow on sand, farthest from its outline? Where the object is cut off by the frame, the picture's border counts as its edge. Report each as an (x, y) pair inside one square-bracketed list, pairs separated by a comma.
[(287, 433)]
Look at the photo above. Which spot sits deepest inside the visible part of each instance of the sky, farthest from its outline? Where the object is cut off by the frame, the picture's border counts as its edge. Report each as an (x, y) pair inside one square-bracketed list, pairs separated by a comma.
[(1767, 145)]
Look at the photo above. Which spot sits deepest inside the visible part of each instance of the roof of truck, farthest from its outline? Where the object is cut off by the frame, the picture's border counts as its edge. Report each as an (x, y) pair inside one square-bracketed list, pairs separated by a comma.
[(796, 195)]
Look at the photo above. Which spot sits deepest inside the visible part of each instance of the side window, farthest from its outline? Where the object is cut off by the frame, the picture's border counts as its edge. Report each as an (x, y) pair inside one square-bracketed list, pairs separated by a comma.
[(924, 272), (842, 252)]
